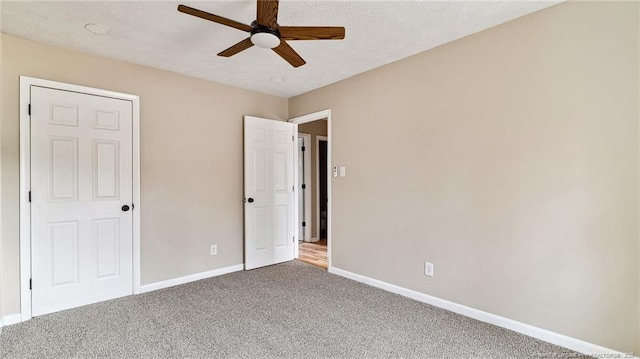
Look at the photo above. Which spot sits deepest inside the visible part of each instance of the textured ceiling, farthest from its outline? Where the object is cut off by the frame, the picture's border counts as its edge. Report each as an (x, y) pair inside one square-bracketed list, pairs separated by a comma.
[(155, 34)]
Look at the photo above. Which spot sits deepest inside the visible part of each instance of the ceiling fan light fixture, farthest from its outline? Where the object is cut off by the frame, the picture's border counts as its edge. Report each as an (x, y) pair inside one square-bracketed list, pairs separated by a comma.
[(265, 40)]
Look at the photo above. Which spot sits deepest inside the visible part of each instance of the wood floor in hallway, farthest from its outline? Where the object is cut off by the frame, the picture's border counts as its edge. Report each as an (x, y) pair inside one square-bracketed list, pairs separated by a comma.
[(314, 253)]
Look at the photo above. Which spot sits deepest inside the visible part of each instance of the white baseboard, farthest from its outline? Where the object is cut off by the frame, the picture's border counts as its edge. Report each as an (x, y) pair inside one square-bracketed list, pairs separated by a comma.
[(11, 319), (526, 329), (190, 278)]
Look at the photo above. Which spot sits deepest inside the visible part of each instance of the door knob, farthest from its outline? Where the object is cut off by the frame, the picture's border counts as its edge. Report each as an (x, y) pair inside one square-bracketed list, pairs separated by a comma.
[(250, 200), (125, 208)]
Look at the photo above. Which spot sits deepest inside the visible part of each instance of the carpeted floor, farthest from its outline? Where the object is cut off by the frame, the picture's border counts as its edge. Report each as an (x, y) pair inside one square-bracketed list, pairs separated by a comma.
[(291, 310)]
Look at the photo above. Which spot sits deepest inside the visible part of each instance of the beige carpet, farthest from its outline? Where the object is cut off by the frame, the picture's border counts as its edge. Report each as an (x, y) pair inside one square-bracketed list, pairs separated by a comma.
[(292, 310)]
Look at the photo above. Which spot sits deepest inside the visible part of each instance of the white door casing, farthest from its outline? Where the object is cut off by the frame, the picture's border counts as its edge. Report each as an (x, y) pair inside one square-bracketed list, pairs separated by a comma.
[(81, 177), (270, 211)]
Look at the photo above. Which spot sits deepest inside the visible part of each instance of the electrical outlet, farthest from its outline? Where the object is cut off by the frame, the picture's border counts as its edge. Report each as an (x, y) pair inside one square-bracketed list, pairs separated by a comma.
[(428, 269), (214, 249)]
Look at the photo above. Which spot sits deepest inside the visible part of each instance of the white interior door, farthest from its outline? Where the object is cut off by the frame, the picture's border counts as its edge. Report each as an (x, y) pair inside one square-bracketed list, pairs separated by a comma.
[(270, 218), (81, 177)]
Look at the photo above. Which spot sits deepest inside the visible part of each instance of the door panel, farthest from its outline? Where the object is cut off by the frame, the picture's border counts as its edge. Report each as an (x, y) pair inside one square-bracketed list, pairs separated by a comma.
[(107, 120), (65, 114), (63, 162), (106, 170), (63, 249), (81, 176), (281, 226), (269, 181), (259, 221), (106, 235)]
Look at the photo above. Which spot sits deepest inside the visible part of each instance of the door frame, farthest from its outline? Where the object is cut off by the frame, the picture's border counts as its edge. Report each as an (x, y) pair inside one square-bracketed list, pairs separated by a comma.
[(307, 175), (318, 139), (25, 179), (321, 115)]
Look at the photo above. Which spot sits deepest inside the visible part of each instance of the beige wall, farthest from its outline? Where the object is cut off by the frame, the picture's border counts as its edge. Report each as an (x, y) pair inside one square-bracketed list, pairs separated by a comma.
[(315, 129), (191, 158), (509, 159)]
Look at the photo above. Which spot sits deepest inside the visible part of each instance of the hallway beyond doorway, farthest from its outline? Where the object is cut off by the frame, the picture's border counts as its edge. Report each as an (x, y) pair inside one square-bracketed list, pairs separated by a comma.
[(314, 253)]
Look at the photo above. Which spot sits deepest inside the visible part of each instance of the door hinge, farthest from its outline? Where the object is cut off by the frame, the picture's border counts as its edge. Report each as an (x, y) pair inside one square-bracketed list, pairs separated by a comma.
[(304, 224), (293, 239), (30, 282), (29, 196), (304, 186), (29, 109), (303, 148), (292, 138), (293, 188)]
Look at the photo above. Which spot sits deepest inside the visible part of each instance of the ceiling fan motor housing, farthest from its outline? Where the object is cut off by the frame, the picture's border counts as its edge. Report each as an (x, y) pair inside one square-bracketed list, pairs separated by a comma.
[(264, 36)]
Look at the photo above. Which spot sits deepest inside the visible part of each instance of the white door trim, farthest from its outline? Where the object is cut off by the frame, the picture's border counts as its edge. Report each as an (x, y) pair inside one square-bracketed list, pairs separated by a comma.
[(25, 180), (307, 175), (321, 115), (318, 139), (296, 193)]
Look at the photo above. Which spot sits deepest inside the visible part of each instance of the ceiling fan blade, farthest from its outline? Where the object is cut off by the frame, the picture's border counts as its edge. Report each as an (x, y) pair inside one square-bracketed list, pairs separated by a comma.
[(290, 55), (241, 46), (215, 18), (268, 13), (311, 33)]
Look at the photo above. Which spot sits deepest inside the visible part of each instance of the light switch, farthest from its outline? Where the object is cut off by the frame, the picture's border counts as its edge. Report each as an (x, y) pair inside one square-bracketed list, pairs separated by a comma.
[(343, 171)]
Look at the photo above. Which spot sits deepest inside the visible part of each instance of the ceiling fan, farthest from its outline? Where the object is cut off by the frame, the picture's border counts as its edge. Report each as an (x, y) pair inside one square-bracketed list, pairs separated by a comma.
[(265, 32)]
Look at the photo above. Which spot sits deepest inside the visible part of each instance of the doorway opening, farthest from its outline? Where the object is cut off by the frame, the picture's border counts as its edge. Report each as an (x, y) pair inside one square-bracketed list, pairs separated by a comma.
[(304, 178), (314, 188), (321, 179), (314, 251)]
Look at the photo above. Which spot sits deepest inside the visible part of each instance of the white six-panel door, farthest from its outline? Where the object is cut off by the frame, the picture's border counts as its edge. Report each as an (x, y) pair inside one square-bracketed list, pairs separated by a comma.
[(269, 191), (81, 177)]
